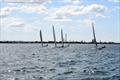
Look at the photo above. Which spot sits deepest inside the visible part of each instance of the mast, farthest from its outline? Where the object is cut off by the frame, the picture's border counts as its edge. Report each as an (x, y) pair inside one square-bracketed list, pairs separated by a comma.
[(94, 34), (54, 36), (62, 39), (41, 38)]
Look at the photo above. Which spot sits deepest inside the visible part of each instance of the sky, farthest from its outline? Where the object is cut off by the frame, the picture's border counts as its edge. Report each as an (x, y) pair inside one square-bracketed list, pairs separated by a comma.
[(21, 20)]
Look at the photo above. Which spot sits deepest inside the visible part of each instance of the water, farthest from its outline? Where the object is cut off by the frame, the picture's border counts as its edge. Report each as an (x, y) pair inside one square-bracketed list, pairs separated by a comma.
[(77, 62)]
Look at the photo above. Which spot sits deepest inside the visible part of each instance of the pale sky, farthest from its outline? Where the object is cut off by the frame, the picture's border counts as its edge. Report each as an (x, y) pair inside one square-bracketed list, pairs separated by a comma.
[(21, 20)]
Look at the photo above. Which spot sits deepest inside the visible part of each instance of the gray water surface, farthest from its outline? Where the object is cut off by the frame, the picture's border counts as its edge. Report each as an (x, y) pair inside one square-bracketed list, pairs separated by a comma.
[(77, 62)]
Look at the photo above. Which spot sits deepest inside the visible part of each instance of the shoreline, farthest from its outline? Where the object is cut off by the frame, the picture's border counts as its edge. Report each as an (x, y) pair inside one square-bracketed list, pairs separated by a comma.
[(51, 42)]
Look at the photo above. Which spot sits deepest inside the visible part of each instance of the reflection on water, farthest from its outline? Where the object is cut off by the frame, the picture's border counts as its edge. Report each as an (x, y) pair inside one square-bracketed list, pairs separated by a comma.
[(77, 62)]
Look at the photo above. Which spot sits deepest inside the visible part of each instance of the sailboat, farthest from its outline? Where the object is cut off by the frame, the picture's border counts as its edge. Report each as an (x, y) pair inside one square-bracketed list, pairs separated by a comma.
[(54, 36), (62, 39), (66, 37), (94, 40), (66, 40), (42, 39)]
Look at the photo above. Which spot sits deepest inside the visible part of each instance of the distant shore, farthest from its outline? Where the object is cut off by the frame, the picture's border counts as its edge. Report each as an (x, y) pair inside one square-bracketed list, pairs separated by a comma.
[(71, 42)]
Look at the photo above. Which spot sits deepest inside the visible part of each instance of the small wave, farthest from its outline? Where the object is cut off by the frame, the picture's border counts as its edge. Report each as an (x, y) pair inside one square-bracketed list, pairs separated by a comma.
[(68, 72), (67, 63)]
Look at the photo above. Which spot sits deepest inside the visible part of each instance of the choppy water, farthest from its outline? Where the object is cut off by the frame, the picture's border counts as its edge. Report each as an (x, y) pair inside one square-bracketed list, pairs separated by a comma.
[(77, 62)]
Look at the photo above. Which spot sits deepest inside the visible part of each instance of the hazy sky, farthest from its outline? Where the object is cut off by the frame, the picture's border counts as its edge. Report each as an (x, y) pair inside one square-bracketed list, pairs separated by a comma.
[(22, 19)]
